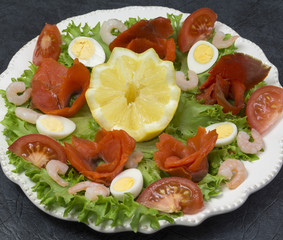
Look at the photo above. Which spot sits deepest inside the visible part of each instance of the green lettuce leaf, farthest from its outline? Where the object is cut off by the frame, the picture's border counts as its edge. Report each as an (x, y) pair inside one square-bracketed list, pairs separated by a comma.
[(147, 148), (210, 186), (48, 191), (219, 154), (13, 126), (86, 128), (176, 24), (110, 209), (150, 172), (27, 75), (191, 114)]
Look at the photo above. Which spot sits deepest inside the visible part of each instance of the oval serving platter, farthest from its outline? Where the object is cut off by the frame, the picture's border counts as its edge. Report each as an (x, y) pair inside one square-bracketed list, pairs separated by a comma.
[(260, 172)]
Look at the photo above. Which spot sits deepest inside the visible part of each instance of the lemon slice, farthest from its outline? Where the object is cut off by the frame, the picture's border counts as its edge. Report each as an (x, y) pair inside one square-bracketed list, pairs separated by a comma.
[(134, 92)]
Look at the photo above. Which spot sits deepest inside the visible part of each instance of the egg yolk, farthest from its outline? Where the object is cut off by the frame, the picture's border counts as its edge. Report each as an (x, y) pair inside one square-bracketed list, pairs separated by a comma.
[(123, 184), (83, 49), (52, 124), (203, 53), (224, 130)]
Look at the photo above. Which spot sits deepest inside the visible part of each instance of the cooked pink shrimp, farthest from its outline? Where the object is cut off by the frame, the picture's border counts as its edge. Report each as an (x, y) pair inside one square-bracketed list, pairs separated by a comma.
[(233, 170), (134, 160), (27, 114), (53, 167), (185, 84), (12, 93), (250, 147), (108, 26), (220, 43), (92, 190)]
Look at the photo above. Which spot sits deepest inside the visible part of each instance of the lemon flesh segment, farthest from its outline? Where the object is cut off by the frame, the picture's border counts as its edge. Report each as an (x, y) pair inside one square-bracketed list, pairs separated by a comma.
[(134, 92)]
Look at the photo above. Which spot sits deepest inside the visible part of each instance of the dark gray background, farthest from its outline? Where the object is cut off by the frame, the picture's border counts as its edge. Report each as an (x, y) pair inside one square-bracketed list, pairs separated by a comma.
[(261, 215)]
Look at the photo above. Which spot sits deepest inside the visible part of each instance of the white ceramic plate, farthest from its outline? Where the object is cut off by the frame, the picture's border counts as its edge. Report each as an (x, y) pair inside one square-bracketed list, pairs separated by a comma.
[(260, 172)]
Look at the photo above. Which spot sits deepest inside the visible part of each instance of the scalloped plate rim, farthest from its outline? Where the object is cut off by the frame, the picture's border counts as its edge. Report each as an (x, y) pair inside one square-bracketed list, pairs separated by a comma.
[(188, 220)]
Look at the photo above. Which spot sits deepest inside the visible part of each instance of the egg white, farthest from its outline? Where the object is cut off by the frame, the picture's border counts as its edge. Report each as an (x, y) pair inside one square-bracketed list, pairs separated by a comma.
[(199, 67), (134, 190), (98, 56), (227, 140), (68, 127)]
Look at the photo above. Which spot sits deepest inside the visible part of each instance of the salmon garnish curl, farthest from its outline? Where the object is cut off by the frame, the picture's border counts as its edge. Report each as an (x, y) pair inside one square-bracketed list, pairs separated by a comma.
[(103, 159), (185, 160)]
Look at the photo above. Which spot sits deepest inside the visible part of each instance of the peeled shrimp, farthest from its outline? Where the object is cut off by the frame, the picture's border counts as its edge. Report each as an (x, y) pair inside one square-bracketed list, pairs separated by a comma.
[(108, 26), (185, 84), (92, 190), (235, 170), (134, 160), (12, 93), (27, 114), (53, 167), (219, 43), (250, 147)]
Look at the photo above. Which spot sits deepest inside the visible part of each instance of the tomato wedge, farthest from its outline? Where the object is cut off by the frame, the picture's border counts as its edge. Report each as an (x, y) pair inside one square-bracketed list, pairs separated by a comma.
[(173, 194), (189, 161), (53, 86), (265, 108), (38, 149), (48, 44), (197, 26), (111, 147), (147, 34)]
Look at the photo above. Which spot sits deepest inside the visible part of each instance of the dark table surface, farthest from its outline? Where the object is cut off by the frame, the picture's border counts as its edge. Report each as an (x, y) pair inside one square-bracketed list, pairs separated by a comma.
[(261, 215)]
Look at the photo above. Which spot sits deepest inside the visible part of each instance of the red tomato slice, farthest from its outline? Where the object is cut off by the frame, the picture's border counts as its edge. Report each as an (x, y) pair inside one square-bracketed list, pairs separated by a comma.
[(173, 194), (197, 26), (113, 147), (53, 85), (265, 108), (38, 149), (48, 44)]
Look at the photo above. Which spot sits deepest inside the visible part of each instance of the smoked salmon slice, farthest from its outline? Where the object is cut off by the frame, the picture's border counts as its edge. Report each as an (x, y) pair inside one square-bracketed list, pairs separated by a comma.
[(103, 159), (54, 85), (189, 160), (229, 78), (147, 34)]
